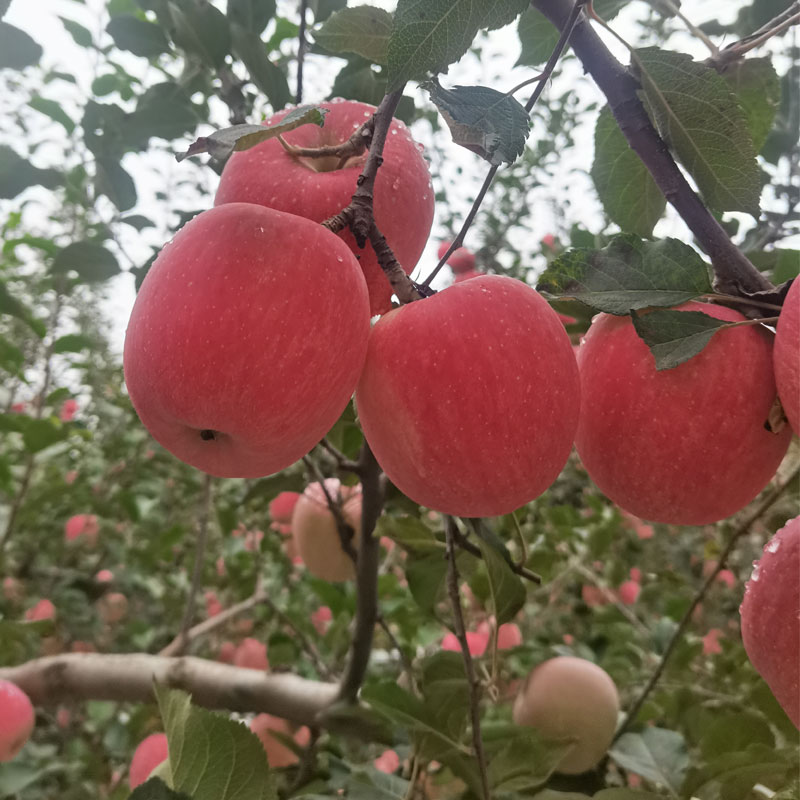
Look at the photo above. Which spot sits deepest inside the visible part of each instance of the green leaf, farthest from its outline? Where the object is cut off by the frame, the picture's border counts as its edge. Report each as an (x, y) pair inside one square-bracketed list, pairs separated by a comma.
[(16, 776), (140, 37), (156, 789), (629, 274), (38, 434), (11, 357), (16, 308), (201, 29), (211, 756), (625, 186), (676, 336), (72, 343), (426, 579), (4, 4), (252, 15), (115, 183), (729, 733), (410, 533), (698, 116), (446, 692), (17, 174), (242, 137), (52, 109), (371, 784), (508, 592), (625, 794), (758, 90), (363, 30), (91, 261), (268, 77), (358, 80), (138, 221), (17, 49), (428, 35), (538, 37), (164, 110), (784, 264), (656, 754), (490, 123), (80, 35)]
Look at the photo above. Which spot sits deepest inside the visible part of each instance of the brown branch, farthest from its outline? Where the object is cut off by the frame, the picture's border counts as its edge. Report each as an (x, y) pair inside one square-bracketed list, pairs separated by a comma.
[(469, 668), (741, 529), (542, 80), (129, 677), (301, 51), (366, 578), (734, 273), (342, 461)]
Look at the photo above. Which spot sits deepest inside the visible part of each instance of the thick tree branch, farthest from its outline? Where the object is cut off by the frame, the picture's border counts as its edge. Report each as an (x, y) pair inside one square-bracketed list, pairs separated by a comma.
[(129, 677), (734, 273)]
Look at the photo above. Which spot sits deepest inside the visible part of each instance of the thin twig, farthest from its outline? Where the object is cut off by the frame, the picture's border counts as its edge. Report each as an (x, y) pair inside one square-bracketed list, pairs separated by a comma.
[(474, 550), (742, 529), (461, 634), (542, 79), (776, 26), (301, 51), (308, 762), (342, 461), (408, 667), (197, 573), (691, 27)]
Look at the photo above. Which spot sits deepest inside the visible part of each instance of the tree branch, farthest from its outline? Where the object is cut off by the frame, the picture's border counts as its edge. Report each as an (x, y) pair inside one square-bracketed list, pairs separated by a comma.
[(129, 677), (734, 51), (474, 550), (301, 52), (742, 529), (734, 273)]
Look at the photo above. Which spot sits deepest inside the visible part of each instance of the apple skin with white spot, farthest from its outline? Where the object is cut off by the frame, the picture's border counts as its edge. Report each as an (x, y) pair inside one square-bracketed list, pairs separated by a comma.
[(318, 189), (246, 340), (770, 613)]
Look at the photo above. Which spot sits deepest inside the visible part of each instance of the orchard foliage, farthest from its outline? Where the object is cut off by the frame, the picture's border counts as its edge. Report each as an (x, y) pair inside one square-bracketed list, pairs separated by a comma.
[(323, 618)]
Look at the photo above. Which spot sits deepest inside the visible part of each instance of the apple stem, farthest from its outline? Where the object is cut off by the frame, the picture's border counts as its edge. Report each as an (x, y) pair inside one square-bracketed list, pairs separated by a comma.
[(352, 147)]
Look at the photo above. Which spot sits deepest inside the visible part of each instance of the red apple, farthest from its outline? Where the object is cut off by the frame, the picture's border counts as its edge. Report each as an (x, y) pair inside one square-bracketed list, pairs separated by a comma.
[(278, 754), (246, 340), (711, 645), (281, 508), (16, 720), (44, 609), (321, 619), (493, 339), (770, 612), (318, 188), (68, 410), (687, 445), (151, 752), (315, 534), (568, 697), (468, 275), (388, 761), (629, 592), (251, 654), (227, 652), (82, 525), (787, 355), (477, 642), (104, 576), (461, 260)]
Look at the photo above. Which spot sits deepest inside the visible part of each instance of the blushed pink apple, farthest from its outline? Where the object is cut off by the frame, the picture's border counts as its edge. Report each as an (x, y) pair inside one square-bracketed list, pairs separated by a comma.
[(16, 720), (787, 355), (461, 260), (213, 605), (68, 409), (476, 643), (628, 592), (770, 612), (635, 574), (315, 534), (321, 619), (727, 577), (711, 645), (281, 508), (251, 654), (388, 761), (493, 338), (319, 188), (104, 576), (151, 752), (227, 652), (246, 339), (83, 526), (687, 445), (112, 607), (44, 609)]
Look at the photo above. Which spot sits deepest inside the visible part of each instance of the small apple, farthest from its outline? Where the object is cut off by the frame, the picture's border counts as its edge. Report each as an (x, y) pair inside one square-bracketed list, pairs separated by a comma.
[(711, 645), (251, 654), (572, 698), (770, 612), (213, 605), (104, 576), (44, 609), (112, 607), (227, 652), (319, 188), (68, 410), (151, 752), (278, 754), (388, 761), (82, 525), (685, 446), (477, 642), (321, 619), (246, 339), (628, 592), (493, 339), (17, 719), (787, 355), (461, 260), (315, 534)]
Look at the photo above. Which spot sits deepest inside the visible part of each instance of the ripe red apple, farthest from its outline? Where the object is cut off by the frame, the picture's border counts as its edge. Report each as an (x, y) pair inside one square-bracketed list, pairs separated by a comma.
[(388, 761), (770, 612), (82, 525), (787, 355), (492, 339), (16, 720), (461, 260), (314, 531), (687, 445), (568, 697), (477, 641), (246, 340), (151, 752), (281, 508), (44, 609), (251, 654), (278, 754), (318, 188), (629, 592)]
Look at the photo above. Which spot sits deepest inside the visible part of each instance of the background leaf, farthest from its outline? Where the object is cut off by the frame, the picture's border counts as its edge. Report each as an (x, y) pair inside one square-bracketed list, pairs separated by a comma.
[(656, 754), (363, 30), (17, 49)]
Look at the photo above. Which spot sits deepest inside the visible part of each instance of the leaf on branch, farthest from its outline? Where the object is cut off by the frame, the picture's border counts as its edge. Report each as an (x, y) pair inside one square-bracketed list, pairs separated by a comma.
[(242, 137), (630, 273), (138, 36), (91, 261), (676, 336), (363, 30), (17, 174), (211, 756), (507, 590), (625, 186), (72, 343), (490, 123), (52, 109), (17, 49), (758, 90), (698, 115), (658, 755), (446, 692), (114, 182), (15, 308), (429, 35)]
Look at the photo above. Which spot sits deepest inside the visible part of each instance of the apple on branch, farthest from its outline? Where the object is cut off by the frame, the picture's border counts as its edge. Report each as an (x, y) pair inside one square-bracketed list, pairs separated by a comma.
[(319, 188)]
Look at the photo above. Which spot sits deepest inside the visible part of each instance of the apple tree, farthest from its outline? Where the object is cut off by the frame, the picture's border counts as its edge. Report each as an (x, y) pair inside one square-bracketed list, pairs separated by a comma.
[(453, 411)]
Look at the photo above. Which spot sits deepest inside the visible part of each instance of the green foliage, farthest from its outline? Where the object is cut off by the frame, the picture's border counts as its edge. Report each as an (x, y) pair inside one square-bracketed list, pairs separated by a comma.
[(362, 31)]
